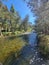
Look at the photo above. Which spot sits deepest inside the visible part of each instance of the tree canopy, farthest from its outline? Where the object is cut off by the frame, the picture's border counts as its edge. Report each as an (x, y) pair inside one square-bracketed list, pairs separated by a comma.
[(10, 21), (41, 10)]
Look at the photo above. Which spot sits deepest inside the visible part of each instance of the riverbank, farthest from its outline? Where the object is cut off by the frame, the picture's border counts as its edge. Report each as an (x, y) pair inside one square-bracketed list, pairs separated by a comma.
[(10, 46), (44, 45)]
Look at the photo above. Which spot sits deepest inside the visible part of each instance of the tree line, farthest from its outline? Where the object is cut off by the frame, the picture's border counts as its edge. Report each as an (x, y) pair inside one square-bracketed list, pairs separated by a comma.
[(10, 21), (41, 11)]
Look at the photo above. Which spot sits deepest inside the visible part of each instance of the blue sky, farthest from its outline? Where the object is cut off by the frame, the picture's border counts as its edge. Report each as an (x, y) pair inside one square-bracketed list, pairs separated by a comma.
[(22, 8)]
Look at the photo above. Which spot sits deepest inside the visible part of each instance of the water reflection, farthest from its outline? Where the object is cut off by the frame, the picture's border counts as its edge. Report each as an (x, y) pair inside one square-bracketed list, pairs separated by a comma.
[(33, 39), (29, 54)]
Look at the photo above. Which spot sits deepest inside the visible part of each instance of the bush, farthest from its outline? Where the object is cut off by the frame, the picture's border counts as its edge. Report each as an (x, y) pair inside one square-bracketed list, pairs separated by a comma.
[(17, 32), (44, 45)]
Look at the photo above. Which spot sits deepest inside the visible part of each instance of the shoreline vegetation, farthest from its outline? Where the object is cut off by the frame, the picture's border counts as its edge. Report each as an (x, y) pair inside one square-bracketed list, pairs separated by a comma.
[(41, 10), (43, 44), (12, 25), (11, 29), (42, 28), (9, 46)]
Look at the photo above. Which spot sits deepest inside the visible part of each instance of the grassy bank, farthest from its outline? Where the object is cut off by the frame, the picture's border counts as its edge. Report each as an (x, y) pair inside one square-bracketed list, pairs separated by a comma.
[(9, 46), (44, 45)]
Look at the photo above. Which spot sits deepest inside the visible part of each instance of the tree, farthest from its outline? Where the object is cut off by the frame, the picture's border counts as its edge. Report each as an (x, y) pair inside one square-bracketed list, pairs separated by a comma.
[(24, 24), (43, 24), (9, 19), (12, 9), (36, 6), (15, 19), (41, 10)]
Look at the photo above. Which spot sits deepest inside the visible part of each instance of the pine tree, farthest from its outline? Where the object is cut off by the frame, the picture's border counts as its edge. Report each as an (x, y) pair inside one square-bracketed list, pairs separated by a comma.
[(12, 9)]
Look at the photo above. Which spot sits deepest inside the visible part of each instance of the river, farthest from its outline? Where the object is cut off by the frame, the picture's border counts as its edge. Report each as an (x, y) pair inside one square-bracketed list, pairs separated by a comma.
[(30, 54)]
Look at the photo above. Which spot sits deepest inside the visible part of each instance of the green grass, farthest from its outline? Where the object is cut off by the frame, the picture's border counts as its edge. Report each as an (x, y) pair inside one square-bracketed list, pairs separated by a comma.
[(44, 45), (8, 46)]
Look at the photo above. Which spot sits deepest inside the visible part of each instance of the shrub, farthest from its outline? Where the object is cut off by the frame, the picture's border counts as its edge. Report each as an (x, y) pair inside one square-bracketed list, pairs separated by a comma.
[(44, 45)]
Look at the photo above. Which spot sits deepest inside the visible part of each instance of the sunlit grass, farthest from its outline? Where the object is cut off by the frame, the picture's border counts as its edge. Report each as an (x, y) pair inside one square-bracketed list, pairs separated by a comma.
[(9, 45)]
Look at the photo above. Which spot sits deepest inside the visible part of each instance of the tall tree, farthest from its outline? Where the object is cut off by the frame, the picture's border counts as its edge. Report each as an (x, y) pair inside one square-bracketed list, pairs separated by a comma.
[(12, 9), (24, 24), (41, 10)]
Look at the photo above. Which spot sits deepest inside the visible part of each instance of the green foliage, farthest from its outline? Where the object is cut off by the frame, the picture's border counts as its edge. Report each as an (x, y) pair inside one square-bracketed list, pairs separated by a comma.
[(44, 44), (12, 9), (25, 26), (42, 22), (10, 21)]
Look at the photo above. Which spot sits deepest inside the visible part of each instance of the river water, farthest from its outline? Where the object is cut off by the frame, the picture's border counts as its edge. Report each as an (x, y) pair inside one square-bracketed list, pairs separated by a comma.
[(30, 54)]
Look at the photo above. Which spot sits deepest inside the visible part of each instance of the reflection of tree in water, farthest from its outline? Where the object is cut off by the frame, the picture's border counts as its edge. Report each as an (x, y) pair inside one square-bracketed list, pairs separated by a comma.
[(25, 37)]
